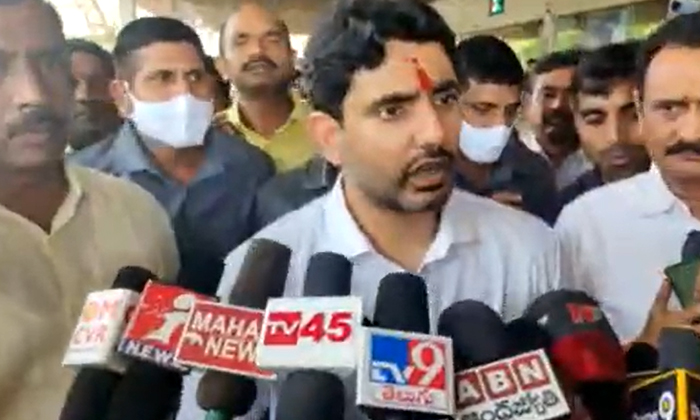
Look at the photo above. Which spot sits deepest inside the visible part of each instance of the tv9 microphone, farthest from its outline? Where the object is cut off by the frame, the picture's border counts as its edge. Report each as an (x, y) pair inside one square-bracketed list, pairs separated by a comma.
[(262, 275), (674, 392), (404, 373), (503, 370), (585, 350), (93, 343), (313, 391)]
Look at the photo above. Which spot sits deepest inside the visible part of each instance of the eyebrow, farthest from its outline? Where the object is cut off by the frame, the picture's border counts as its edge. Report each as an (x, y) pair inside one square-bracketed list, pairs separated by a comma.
[(399, 98)]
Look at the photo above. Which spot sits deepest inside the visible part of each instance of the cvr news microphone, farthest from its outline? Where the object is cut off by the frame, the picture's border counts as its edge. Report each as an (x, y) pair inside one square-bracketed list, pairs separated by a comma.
[(585, 350), (674, 393), (94, 341), (262, 276), (403, 373), (503, 370)]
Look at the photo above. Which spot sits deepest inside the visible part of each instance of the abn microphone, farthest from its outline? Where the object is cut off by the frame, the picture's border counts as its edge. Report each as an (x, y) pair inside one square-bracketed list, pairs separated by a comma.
[(673, 394)]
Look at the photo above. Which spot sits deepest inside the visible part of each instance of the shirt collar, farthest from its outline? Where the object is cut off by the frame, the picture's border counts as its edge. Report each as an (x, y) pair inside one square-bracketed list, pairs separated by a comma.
[(348, 239), (299, 111), (655, 195)]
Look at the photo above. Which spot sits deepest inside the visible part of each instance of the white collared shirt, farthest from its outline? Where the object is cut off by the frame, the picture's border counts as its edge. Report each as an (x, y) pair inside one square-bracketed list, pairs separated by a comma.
[(617, 239), (483, 251)]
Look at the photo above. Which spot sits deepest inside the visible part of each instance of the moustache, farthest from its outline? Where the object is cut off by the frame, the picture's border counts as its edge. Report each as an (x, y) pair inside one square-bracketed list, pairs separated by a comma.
[(432, 158), (682, 147), (35, 120), (558, 118), (258, 60)]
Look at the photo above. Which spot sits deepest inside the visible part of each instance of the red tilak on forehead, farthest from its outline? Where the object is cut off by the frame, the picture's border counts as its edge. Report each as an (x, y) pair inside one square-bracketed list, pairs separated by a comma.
[(425, 83)]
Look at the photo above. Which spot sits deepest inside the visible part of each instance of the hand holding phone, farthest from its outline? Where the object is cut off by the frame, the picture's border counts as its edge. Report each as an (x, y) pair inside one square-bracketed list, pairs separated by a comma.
[(684, 279)]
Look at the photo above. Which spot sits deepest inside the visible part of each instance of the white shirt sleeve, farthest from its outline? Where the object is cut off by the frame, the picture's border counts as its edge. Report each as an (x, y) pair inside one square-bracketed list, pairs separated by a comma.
[(569, 235), (545, 271)]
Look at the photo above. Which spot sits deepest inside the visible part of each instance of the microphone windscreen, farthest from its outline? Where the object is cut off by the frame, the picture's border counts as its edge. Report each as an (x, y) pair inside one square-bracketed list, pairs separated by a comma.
[(328, 274), (222, 392), (311, 395), (526, 335), (133, 278), (478, 334), (691, 246), (262, 275), (147, 392), (402, 304), (641, 357), (679, 348), (90, 394), (584, 345)]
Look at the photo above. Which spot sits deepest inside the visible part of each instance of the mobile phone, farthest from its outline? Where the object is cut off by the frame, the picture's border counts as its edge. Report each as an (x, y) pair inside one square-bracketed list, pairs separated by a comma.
[(683, 277)]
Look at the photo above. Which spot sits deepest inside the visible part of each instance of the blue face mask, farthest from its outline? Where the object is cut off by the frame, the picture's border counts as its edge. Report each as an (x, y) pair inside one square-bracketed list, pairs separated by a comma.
[(483, 144)]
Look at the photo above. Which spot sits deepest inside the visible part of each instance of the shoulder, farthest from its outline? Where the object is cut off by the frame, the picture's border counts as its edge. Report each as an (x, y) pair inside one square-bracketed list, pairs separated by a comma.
[(239, 154), (93, 156)]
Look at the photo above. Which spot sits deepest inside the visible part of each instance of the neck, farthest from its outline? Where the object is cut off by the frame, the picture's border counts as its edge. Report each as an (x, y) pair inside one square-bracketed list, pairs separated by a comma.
[(386, 229), (22, 182), (687, 190), (181, 164), (476, 173), (265, 114)]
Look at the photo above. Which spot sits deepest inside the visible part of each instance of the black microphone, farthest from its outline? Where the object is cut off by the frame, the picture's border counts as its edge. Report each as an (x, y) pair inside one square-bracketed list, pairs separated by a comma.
[(262, 276), (91, 392), (311, 395), (641, 357), (691, 247)]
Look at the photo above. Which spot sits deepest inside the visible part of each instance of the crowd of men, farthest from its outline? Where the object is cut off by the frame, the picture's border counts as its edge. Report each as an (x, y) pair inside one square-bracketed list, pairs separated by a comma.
[(392, 145)]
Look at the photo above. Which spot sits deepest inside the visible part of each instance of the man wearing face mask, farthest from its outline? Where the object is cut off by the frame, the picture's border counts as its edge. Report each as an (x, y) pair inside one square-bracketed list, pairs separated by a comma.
[(205, 179), (95, 117), (606, 118), (547, 109), (493, 162)]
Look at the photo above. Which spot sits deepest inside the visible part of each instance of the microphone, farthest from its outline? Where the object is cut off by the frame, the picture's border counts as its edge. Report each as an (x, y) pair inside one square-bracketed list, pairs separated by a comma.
[(671, 393), (262, 275), (310, 392), (404, 373), (324, 389), (691, 247), (93, 343), (585, 350), (504, 373)]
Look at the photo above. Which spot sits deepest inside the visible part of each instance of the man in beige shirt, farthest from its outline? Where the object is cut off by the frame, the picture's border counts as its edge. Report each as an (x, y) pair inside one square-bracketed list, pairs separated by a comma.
[(64, 231)]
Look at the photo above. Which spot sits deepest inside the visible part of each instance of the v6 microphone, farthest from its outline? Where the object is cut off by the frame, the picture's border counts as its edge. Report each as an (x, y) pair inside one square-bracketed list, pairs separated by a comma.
[(585, 350), (91, 392), (404, 373), (262, 276), (505, 373)]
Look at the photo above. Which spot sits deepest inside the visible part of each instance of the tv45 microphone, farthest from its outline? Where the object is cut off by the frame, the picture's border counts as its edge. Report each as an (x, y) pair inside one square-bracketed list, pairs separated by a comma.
[(674, 393), (503, 375), (404, 373)]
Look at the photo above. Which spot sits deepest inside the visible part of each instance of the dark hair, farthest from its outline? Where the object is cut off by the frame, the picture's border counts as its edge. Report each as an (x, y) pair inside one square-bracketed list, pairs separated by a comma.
[(142, 32), (551, 62), (487, 59), (600, 68), (88, 47), (353, 37), (681, 31)]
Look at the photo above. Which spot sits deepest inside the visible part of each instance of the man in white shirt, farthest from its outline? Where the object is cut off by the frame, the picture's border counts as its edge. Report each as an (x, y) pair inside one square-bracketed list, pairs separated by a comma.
[(386, 113), (616, 240)]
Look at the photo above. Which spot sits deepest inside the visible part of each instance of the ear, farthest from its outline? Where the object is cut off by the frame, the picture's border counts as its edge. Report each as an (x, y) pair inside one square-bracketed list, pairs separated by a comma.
[(220, 64), (120, 96), (327, 133)]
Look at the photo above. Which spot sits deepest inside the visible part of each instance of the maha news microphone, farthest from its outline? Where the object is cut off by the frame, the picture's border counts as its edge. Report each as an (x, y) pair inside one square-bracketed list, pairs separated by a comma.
[(674, 392), (93, 345), (404, 373), (262, 276), (503, 370), (314, 394), (584, 350)]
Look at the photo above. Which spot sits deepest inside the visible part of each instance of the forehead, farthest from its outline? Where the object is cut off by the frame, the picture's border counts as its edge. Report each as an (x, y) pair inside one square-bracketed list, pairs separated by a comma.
[(252, 20), (170, 55), (673, 73), (492, 93), (621, 94), (83, 62), (28, 26), (558, 79), (398, 71)]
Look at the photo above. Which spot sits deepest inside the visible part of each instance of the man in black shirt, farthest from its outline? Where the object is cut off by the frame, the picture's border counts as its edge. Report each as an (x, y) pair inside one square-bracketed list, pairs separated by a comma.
[(493, 162)]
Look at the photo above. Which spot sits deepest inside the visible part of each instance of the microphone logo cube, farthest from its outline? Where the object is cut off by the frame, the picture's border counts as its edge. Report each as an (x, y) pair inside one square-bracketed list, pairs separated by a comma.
[(156, 324), (405, 371), (222, 337), (310, 333), (522, 386)]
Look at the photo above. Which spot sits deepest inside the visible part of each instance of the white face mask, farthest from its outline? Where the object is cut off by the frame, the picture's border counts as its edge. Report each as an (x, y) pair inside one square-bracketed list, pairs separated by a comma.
[(483, 144), (179, 122)]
